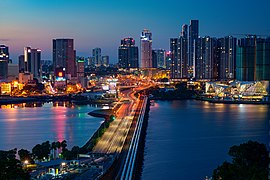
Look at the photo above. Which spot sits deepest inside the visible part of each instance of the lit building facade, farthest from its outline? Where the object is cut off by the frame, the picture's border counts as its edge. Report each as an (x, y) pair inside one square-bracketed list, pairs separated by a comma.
[(227, 58), (105, 61), (32, 61), (168, 60), (146, 49), (160, 58), (64, 55), (179, 56), (80, 67), (205, 61), (183, 52), (192, 41), (175, 64), (25, 77), (238, 90), (97, 56), (253, 59), (128, 54), (4, 58), (263, 59)]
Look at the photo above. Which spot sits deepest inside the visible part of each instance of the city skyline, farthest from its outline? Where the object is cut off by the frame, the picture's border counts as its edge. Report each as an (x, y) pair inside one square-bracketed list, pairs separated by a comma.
[(35, 24)]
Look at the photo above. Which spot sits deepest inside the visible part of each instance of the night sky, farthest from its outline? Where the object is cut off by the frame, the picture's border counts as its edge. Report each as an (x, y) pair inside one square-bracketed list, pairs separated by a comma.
[(102, 23)]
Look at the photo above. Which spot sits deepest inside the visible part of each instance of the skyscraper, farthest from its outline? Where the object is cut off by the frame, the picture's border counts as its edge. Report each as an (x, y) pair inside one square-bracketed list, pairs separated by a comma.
[(183, 52), (64, 55), (21, 63), (253, 59), (161, 58), (154, 59), (128, 54), (263, 59), (246, 59), (227, 58), (192, 40), (4, 58), (96, 53), (205, 58), (105, 61), (179, 50), (168, 60), (32, 59), (80, 68), (175, 71), (146, 49)]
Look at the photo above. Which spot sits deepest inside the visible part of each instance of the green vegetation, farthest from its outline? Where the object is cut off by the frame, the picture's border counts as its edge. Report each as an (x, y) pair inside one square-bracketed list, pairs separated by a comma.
[(180, 91), (250, 162), (10, 167), (25, 155)]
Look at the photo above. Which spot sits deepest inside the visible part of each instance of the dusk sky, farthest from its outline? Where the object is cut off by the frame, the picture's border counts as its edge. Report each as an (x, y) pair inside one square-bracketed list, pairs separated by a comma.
[(102, 23)]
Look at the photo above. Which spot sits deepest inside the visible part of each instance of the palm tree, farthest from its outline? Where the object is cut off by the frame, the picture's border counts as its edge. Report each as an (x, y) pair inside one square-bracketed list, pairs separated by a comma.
[(58, 145), (64, 145), (53, 147)]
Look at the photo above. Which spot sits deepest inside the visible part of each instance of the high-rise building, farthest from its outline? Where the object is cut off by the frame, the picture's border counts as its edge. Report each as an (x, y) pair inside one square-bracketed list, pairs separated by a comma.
[(4, 58), (32, 61), (90, 62), (64, 55), (80, 68), (168, 60), (128, 54), (193, 37), (227, 58), (161, 58), (105, 61), (146, 49), (96, 53), (183, 52), (13, 71), (205, 58), (154, 59), (21, 63), (179, 50), (263, 59), (175, 64), (253, 59)]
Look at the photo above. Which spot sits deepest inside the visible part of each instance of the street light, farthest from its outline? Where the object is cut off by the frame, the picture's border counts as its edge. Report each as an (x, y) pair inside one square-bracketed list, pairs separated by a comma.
[(25, 163), (63, 164)]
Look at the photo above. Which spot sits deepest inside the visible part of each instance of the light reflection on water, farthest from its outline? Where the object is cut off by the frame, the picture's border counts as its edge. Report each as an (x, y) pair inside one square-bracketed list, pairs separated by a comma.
[(188, 139), (25, 125)]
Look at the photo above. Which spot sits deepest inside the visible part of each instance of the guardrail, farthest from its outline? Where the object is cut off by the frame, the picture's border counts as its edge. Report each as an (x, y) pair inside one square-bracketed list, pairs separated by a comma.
[(128, 168)]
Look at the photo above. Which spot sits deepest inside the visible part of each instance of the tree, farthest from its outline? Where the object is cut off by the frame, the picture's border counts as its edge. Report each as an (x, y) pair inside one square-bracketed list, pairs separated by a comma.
[(25, 156), (71, 154), (58, 146), (53, 148), (250, 162), (64, 145), (10, 167), (41, 151)]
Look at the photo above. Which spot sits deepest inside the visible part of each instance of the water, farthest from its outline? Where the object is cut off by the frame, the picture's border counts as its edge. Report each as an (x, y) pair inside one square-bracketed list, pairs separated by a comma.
[(189, 139), (185, 139), (26, 125)]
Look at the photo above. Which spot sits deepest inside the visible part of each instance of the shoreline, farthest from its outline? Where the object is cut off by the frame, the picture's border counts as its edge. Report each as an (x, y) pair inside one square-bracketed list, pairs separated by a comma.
[(19, 100), (213, 101), (235, 102)]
